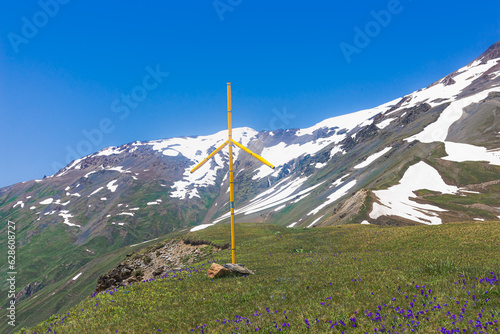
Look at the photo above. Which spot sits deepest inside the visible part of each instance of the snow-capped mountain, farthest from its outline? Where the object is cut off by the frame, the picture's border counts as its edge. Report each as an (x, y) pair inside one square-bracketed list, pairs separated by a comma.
[(429, 157)]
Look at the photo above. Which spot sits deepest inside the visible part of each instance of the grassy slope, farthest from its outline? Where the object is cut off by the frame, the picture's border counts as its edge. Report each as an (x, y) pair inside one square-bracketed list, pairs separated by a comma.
[(52, 258), (308, 280), (63, 292)]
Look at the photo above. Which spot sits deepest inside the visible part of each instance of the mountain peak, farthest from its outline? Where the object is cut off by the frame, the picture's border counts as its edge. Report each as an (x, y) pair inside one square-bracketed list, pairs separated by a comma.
[(493, 52)]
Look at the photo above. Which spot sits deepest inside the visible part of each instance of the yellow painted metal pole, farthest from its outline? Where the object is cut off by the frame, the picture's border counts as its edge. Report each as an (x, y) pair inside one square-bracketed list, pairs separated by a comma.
[(255, 155), (231, 180), (230, 142), (210, 156)]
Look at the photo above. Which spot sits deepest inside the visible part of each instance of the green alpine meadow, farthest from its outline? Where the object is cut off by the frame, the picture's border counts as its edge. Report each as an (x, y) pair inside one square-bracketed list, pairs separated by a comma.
[(338, 279)]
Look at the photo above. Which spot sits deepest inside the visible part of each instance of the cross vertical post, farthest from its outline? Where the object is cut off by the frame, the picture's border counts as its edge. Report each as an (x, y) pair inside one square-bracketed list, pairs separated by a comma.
[(231, 143), (231, 180)]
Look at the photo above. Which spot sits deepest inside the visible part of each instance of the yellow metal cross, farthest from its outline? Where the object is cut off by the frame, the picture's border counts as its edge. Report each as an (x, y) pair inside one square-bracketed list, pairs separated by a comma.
[(230, 142)]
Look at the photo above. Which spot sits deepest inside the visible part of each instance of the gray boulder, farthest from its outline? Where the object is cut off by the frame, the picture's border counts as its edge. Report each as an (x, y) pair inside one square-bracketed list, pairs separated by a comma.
[(239, 269)]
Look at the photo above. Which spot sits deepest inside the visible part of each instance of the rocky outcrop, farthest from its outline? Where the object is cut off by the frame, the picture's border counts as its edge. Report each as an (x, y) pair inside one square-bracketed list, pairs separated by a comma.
[(28, 291), (493, 52), (155, 261), (344, 212)]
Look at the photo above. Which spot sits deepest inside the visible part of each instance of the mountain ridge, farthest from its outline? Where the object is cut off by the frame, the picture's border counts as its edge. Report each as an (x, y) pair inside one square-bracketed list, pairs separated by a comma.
[(364, 167)]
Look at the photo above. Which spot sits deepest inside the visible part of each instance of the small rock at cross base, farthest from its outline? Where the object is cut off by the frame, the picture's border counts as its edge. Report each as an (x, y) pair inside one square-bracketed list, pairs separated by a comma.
[(216, 270), (239, 269)]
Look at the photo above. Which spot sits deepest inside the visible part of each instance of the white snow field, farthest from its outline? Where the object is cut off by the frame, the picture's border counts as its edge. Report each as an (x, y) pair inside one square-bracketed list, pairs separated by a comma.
[(446, 93), (19, 203), (438, 131), (384, 123), (96, 191), (335, 196), (314, 222), (112, 186), (372, 158), (277, 195), (283, 153), (47, 201), (464, 152), (396, 200), (196, 149), (66, 215), (110, 151)]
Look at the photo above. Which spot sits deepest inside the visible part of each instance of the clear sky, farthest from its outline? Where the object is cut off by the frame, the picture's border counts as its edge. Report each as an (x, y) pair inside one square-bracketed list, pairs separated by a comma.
[(78, 76)]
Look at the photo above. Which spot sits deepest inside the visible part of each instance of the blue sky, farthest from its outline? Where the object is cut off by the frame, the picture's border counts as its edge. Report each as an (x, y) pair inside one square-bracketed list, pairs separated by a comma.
[(67, 67)]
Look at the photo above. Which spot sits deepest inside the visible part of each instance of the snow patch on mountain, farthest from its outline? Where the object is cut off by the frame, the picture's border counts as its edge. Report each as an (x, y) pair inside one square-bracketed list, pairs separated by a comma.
[(342, 191), (171, 153), (66, 215), (277, 195), (76, 277), (279, 208), (384, 123), (396, 200), (339, 181), (201, 227), (19, 203), (349, 121), (335, 150), (126, 214), (47, 201), (68, 168), (112, 186), (282, 192), (464, 152), (196, 149), (282, 153), (118, 169), (438, 131), (96, 191), (372, 158), (113, 150), (314, 222), (442, 92)]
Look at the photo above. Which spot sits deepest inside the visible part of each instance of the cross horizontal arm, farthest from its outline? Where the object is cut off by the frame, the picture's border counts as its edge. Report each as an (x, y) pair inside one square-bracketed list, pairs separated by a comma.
[(210, 156), (256, 156)]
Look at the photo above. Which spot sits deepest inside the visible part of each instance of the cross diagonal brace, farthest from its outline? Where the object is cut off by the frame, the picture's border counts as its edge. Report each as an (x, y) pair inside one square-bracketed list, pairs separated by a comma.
[(210, 156), (255, 155)]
